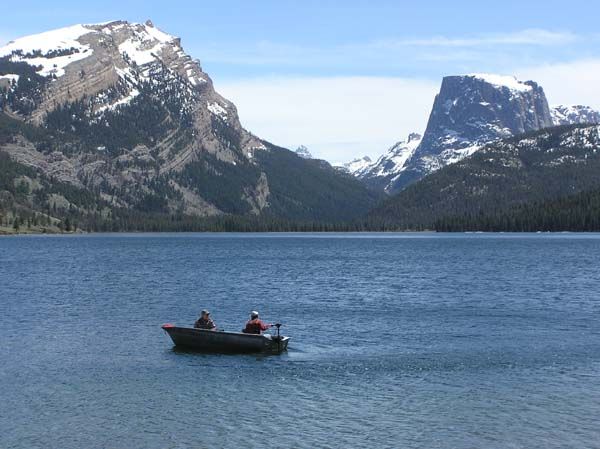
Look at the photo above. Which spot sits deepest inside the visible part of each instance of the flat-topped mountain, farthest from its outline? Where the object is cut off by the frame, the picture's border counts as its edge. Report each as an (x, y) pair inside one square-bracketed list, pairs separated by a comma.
[(469, 112)]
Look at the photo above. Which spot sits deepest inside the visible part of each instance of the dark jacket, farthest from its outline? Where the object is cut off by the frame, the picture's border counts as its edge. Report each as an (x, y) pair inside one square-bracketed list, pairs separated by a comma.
[(204, 323)]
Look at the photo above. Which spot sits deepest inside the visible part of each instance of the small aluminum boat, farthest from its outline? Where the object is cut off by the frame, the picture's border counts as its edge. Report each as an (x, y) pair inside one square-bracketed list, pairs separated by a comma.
[(226, 342)]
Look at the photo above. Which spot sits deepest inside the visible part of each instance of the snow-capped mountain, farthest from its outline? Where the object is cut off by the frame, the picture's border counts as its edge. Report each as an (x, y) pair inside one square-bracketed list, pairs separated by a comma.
[(303, 152), (383, 173), (356, 166), (133, 116), (469, 112), (574, 114), (108, 66)]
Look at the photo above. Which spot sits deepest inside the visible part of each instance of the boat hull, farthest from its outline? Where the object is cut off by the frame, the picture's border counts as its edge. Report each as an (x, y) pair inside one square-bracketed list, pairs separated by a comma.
[(225, 342)]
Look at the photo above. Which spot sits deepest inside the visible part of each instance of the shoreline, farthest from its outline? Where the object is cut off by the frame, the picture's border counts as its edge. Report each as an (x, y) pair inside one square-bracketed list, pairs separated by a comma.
[(85, 233)]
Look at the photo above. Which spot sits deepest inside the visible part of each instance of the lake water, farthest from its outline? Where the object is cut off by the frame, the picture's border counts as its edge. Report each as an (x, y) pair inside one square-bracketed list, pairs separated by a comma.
[(410, 340)]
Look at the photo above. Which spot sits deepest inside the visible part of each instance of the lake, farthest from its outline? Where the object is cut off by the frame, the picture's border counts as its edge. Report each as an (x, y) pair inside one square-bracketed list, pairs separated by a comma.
[(398, 340)]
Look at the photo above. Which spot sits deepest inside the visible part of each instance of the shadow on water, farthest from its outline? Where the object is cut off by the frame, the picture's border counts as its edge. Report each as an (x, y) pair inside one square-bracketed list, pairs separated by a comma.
[(182, 350)]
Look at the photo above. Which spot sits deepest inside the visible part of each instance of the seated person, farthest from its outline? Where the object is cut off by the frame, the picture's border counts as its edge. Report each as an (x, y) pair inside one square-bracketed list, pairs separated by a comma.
[(204, 322), (254, 325)]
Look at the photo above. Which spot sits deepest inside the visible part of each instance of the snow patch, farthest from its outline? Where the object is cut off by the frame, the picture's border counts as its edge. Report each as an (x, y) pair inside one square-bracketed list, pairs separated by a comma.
[(158, 35), (356, 166), (510, 82), (134, 48), (217, 110), (574, 114), (147, 42), (394, 160), (60, 39), (121, 102), (10, 77)]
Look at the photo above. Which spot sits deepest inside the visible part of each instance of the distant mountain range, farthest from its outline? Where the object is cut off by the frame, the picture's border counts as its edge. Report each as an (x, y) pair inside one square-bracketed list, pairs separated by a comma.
[(469, 112), (114, 127), (119, 110)]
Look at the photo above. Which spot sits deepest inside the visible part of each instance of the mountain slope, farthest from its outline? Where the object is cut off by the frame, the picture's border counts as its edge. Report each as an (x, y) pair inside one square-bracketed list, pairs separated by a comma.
[(469, 112), (121, 109), (356, 166), (311, 188), (574, 115), (383, 173), (534, 167), (579, 212)]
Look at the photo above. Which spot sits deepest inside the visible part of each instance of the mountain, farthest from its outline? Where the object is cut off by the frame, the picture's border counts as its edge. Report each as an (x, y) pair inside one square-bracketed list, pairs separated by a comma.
[(356, 166), (573, 115), (533, 167), (469, 112), (383, 173), (121, 111)]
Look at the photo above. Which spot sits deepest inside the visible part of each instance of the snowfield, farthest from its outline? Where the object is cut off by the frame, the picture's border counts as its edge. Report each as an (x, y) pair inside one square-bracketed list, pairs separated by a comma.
[(61, 39), (510, 82)]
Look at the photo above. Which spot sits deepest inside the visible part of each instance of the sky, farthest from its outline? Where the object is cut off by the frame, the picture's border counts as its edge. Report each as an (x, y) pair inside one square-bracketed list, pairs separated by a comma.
[(351, 78)]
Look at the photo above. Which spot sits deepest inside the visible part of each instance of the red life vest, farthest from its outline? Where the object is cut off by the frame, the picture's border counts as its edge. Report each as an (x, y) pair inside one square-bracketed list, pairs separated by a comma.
[(254, 327)]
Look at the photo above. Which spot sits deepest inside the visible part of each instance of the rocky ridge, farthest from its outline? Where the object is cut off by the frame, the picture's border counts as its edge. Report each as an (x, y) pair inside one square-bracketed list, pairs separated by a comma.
[(125, 111)]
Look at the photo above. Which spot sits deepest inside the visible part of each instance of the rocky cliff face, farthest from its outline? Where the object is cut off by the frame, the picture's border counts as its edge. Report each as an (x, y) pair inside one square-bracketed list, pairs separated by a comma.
[(86, 75), (469, 112), (108, 66), (127, 112)]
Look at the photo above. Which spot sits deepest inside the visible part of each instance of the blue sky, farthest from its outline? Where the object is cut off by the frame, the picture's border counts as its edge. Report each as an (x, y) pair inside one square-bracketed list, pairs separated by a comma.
[(352, 77)]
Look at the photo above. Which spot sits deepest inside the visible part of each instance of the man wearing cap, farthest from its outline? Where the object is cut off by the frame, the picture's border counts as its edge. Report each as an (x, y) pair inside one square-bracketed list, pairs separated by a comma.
[(254, 325), (204, 322)]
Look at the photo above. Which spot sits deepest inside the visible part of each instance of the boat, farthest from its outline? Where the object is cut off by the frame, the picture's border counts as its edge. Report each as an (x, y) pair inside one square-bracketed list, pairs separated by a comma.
[(226, 342)]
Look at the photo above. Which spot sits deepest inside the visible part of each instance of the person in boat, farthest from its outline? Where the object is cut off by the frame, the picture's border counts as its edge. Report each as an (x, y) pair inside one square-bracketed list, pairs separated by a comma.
[(205, 322), (254, 325)]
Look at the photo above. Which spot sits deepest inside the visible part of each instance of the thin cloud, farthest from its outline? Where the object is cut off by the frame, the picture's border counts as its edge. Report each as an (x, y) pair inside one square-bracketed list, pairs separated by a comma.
[(337, 118), (392, 54), (534, 37), (341, 118)]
